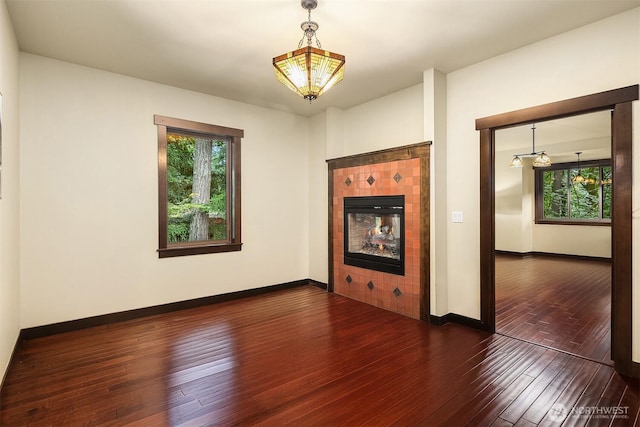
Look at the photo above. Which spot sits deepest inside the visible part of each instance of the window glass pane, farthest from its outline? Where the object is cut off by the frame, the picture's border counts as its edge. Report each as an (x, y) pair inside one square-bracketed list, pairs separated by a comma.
[(196, 188), (606, 192), (585, 193), (555, 194)]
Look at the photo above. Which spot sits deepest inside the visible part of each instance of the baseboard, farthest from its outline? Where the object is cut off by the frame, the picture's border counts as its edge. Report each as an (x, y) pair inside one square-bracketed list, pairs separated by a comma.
[(317, 284), (459, 319), (551, 255), (438, 320), (16, 349), (106, 319)]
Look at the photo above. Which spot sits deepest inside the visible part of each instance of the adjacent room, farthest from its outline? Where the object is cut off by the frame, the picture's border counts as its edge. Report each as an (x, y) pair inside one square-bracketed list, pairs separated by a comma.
[(553, 234), (210, 217)]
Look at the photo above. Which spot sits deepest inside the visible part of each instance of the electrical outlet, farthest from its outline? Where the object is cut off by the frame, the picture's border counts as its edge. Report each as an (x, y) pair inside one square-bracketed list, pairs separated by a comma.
[(456, 216)]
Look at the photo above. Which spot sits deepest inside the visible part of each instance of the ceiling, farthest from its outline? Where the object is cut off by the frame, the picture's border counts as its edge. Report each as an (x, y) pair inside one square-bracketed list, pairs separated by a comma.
[(590, 134), (225, 47)]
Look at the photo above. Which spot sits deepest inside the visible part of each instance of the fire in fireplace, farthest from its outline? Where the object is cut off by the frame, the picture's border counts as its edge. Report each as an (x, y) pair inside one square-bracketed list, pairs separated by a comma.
[(374, 233)]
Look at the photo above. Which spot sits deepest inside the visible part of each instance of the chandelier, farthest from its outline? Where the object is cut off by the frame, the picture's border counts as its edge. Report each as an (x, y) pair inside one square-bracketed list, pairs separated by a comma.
[(579, 179), (541, 160), (309, 71)]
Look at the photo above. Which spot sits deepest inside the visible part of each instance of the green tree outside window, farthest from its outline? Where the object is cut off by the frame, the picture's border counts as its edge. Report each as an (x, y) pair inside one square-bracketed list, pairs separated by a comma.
[(570, 194)]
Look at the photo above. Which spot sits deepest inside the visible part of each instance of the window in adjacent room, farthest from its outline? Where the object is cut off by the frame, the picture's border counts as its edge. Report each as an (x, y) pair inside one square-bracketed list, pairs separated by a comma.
[(566, 194), (198, 187)]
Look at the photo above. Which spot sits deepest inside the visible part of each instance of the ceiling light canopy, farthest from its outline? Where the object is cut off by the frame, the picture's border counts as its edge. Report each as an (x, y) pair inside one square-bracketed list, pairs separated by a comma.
[(541, 160), (309, 71)]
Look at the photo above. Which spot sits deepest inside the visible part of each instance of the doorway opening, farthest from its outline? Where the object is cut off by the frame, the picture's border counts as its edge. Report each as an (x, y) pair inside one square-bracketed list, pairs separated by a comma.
[(619, 102), (553, 235)]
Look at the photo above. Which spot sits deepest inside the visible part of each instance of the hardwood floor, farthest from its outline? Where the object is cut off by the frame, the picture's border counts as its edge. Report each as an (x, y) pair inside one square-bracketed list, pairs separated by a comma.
[(557, 302), (304, 357)]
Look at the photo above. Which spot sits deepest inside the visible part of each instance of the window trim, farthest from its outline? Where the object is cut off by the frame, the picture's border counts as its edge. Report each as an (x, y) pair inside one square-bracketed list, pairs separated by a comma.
[(234, 137), (539, 196)]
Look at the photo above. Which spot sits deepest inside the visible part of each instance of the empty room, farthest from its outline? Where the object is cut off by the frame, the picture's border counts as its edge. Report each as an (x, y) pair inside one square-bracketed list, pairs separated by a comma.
[(319, 212)]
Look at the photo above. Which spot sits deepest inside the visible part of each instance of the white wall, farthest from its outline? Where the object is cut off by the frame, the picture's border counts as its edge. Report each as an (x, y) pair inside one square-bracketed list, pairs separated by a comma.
[(435, 130), (318, 199), (10, 203), (597, 57), (89, 195), (508, 202), (391, 121)]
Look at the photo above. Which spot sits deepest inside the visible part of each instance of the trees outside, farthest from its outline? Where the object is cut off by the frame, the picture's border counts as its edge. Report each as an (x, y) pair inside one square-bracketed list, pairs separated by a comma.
[(565, 199), (555, 194), (196, 188), (201, 190), (585, 196)]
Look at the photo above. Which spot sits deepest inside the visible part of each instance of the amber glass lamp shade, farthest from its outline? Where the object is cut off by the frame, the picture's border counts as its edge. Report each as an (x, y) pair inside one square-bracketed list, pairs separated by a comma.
[(309, 71), (542, 160)]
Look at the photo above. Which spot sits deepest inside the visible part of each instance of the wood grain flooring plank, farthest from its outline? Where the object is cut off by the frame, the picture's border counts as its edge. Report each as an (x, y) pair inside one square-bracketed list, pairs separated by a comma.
[(542, 379), (630, 404), (589, 397), (561, 303)]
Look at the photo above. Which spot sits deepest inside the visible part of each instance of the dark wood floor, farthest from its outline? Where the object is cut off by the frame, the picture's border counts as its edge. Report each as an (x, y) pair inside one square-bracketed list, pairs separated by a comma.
[(558, 302), (304, 357)]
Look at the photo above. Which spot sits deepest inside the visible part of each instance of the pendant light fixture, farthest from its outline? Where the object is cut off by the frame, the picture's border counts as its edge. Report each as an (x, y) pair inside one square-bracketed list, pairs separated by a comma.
[(309, 71), (541, 160), (578, 179)]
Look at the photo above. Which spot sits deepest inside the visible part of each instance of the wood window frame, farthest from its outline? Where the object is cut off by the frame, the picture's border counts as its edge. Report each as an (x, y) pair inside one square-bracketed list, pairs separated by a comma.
[(234, 137), (619, 101), (539, 196)]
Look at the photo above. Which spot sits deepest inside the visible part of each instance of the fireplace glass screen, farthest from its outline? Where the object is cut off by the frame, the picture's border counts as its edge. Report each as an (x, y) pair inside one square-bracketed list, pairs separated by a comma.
[(374, 233)]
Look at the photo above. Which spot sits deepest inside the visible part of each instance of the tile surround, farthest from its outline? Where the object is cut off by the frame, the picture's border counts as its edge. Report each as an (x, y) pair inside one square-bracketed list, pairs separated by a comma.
[(389, 291)]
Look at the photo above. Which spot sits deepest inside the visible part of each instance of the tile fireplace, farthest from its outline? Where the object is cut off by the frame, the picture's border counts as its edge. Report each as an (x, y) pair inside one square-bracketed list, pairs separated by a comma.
[(379, 228)]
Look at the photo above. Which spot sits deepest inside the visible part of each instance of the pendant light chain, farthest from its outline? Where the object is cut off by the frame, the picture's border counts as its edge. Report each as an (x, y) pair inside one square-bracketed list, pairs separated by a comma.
[(309, 31)]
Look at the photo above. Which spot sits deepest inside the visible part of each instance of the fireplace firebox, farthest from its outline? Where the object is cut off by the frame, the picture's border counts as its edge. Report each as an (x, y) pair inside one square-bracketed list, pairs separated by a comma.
[(374, 233)]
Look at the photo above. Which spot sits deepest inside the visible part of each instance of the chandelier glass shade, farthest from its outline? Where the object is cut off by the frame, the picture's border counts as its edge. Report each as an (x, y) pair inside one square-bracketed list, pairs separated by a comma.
[(516, 162), (309, 71), (541, 159)]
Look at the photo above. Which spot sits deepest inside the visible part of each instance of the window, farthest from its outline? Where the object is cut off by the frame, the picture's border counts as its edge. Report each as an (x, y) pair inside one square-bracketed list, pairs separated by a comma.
[(198, 187), (568, 194)]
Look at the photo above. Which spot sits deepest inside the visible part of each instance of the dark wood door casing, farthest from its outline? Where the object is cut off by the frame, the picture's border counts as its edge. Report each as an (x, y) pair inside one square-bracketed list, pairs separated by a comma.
[(619, 101)]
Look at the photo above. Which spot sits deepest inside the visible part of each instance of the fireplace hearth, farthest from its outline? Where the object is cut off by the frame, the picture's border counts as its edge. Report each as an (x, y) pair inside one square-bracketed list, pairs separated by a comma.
[(374, 233)]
